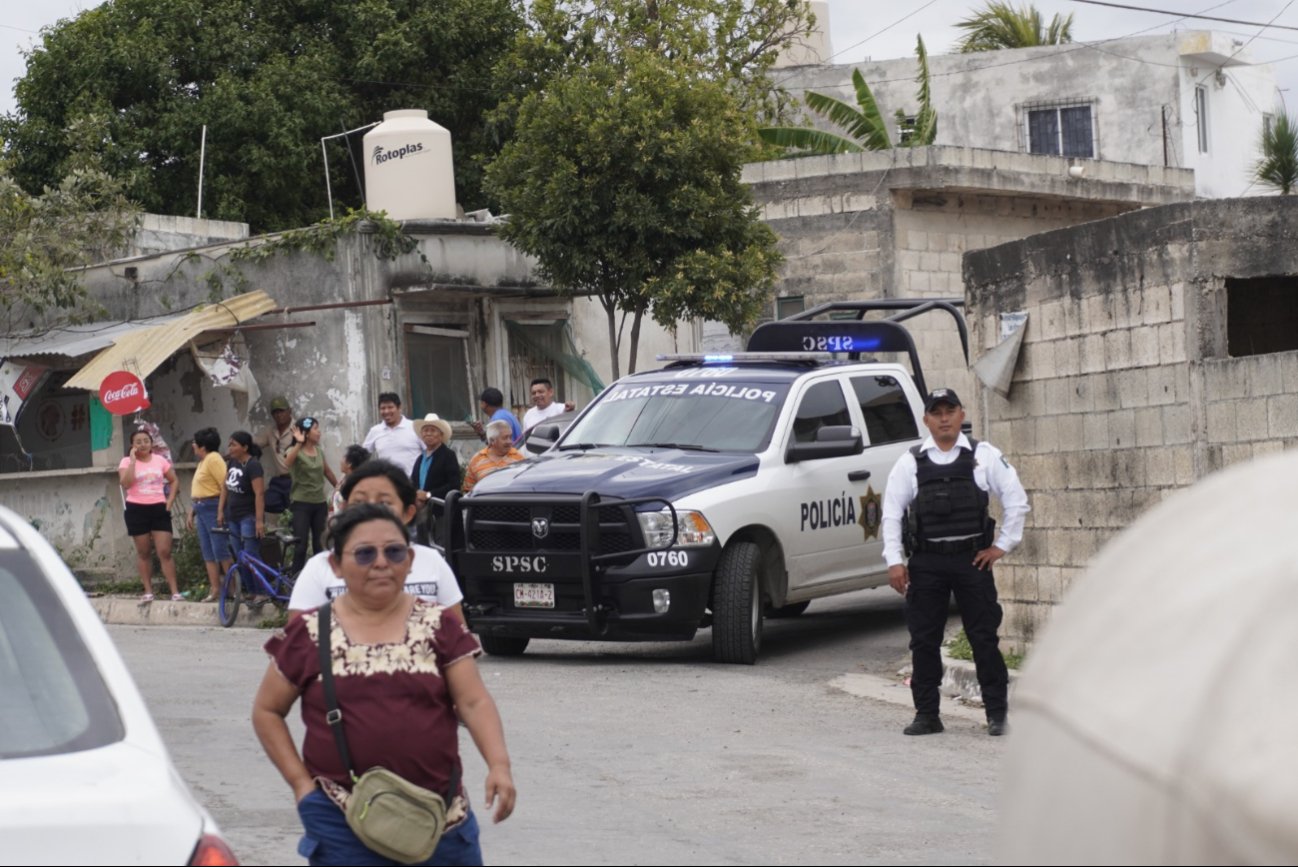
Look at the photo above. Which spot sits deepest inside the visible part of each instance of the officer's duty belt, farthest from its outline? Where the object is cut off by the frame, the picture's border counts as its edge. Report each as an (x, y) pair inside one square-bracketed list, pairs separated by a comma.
[(949, 546)]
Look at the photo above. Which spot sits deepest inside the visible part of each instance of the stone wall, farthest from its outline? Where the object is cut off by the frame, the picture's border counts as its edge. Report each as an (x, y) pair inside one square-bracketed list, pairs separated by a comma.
[(1124, 391), (79, 512)]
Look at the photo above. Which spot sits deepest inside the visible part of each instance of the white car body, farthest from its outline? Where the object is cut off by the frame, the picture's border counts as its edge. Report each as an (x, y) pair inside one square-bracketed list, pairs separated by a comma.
[(116, 802)]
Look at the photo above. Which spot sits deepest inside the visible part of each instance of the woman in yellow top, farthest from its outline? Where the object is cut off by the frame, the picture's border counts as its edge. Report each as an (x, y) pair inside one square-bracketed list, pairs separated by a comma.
[(205, 497)]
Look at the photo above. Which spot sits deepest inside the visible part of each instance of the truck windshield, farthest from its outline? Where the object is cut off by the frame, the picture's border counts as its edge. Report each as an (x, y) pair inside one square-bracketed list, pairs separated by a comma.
[(715, 415)]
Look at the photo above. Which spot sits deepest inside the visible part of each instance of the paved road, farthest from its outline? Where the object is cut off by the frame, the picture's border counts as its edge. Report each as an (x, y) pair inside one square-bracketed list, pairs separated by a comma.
[(641, 753)]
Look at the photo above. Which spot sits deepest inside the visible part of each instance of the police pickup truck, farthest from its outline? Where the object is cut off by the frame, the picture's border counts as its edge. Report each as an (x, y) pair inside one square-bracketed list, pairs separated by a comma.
[(715, 491)]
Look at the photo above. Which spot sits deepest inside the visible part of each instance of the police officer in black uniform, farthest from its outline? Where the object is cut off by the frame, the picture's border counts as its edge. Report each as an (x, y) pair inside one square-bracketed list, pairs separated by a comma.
[(935, 510)]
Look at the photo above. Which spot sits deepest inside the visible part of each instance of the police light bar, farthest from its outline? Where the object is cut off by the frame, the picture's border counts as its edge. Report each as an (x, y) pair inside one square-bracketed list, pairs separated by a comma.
[(832, 336), (838, 335), (732, 357)]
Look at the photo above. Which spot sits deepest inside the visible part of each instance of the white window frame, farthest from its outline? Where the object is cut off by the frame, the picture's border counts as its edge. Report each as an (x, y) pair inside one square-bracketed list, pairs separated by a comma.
[(1201, 116)]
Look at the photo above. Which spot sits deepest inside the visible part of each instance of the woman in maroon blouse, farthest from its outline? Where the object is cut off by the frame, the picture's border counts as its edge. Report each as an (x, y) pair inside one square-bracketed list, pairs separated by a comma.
[(402, 669)]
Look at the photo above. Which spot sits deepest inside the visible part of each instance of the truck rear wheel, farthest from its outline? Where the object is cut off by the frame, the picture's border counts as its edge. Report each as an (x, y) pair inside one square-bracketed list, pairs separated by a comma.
[(737, 605), (503, 645)]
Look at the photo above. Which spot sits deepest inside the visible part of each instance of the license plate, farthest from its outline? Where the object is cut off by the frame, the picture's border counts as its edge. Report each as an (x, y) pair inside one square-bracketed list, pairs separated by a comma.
[(533, 595)]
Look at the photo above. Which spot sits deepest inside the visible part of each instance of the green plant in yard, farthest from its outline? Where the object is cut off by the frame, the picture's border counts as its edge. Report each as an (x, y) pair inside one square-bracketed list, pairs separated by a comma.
[(387, 240), (1277, 167), (1003, 25), (120, 588), (278, 621), (863, 125), (959, 648)]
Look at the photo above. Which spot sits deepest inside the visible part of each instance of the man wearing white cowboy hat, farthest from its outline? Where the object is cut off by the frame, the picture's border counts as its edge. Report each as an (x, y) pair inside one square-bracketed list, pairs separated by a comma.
[(437, 471)]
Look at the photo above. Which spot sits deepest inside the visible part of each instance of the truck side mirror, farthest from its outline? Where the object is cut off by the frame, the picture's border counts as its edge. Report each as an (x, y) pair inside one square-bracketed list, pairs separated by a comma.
[(832, 441), (541, 438)]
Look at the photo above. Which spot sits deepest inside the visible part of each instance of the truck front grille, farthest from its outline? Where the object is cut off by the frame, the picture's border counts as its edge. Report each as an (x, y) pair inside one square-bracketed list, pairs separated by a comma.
[(509, 527)]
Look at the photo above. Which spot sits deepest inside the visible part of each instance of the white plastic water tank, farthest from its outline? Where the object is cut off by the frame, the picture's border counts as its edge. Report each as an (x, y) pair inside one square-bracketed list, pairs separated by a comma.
[(408, 168)]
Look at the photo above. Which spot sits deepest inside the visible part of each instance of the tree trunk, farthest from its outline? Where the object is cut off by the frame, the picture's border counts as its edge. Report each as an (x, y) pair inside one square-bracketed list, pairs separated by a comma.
[(635, 341), (610, 310)]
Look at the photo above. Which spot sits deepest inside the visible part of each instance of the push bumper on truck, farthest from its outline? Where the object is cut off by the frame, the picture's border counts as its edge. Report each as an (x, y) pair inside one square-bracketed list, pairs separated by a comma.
[(572, 567)]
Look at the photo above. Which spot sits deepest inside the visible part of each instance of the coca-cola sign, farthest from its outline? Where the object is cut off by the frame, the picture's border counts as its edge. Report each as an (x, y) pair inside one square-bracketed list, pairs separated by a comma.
[(122, 393)]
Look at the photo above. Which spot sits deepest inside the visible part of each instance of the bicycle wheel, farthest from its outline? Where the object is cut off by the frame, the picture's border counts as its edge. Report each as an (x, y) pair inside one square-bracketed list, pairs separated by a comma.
[(231, 595)]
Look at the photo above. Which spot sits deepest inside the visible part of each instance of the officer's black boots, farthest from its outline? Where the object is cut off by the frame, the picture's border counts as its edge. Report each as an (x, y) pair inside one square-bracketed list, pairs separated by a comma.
[(925, 724), (997, 726)]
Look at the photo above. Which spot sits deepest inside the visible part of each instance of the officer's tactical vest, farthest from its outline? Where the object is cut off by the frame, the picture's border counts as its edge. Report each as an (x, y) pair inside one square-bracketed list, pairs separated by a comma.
[(949, 503)]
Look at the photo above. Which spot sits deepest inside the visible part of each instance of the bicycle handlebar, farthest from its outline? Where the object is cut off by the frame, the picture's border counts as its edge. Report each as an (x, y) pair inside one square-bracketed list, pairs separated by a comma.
[(283, 537)]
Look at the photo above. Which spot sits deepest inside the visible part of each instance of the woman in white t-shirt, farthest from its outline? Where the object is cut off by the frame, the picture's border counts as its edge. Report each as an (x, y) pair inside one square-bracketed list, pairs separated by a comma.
[(430, 577)]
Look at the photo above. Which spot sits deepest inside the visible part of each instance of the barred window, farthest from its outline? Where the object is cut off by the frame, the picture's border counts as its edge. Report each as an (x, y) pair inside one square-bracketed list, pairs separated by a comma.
[(1062, 129)]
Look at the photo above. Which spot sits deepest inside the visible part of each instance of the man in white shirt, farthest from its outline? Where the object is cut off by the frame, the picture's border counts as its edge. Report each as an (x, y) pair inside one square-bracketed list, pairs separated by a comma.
[(543, 404), (941, 488), (378, 481), (394, 438)]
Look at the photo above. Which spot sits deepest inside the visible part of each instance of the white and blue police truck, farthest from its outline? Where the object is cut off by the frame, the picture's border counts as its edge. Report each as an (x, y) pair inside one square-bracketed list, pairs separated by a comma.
[(711, 493)]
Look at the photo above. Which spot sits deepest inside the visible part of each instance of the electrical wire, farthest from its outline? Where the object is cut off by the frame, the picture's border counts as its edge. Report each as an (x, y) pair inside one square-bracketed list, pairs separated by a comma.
[(1183, 15), (1075, 47)]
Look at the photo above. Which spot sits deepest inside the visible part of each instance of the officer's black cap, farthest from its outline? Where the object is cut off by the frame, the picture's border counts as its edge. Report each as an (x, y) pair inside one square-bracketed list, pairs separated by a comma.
[(941, 395)]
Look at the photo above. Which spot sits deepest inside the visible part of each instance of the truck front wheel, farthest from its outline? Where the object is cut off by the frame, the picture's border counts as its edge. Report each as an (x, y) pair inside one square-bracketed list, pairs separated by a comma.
[(737, 604), (503, 645)]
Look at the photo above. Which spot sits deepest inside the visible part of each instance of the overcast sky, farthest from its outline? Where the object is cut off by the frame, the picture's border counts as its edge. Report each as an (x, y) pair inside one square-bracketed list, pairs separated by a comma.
[(858, 28)]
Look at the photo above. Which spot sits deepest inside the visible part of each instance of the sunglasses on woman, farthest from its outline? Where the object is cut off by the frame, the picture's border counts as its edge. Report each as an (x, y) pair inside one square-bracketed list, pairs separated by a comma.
[(366, 555)]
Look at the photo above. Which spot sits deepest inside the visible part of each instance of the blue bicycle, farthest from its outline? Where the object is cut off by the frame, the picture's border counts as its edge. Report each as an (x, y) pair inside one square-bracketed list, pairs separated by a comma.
[(253, 580)]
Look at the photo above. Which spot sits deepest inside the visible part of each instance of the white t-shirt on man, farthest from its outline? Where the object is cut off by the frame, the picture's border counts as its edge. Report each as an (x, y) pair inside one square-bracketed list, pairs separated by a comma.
[(430, 578), (398, 444), (536, 415)]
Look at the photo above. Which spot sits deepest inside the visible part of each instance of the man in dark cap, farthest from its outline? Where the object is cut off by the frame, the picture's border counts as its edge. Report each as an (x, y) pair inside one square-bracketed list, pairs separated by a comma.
[(940, 491)]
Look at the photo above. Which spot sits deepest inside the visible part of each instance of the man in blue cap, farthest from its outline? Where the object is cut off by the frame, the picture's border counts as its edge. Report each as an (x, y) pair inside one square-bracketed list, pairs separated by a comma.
[(940, 490)]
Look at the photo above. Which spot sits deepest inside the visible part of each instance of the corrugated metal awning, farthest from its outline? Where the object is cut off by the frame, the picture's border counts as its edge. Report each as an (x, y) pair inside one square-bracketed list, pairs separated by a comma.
[(74, 340), (143, 348)]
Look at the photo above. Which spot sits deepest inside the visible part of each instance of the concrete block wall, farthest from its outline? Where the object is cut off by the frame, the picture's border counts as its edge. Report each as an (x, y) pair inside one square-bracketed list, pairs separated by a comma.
[(933, 230), (1124, 392), (79, 512), (894, 224)]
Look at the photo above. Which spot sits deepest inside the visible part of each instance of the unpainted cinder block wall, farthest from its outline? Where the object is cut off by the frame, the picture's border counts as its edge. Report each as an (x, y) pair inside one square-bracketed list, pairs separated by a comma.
[(1126, 389)]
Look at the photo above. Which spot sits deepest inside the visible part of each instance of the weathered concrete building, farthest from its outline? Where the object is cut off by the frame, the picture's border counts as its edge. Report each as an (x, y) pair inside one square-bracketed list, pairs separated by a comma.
[(1192, 100), (896, 223), (1160, 346), (460, 312)]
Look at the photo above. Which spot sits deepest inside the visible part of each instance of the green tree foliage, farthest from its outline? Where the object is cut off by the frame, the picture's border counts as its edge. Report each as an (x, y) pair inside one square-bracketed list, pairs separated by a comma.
[(864, 128), (623, 180), (269, 79), (632, 119), (84, 218), (1277, 167), (1002, 25), (732, 42)]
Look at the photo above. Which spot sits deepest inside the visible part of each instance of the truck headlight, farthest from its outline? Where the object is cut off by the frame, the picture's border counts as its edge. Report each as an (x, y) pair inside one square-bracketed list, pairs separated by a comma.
[(693, 530)]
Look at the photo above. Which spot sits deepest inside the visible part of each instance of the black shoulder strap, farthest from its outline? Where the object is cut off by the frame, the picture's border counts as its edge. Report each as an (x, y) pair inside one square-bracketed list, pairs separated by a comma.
[(973, 445), (335, 716)]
